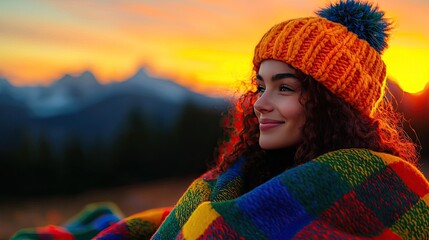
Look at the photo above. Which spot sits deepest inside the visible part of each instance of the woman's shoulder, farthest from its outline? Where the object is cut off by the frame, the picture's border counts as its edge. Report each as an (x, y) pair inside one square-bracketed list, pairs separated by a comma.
[(358, 154), (358, 168), (359, 165), (363, 156)]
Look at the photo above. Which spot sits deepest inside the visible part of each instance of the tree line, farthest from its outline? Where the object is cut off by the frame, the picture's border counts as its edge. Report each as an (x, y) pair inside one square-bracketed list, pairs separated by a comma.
[(136, 154)]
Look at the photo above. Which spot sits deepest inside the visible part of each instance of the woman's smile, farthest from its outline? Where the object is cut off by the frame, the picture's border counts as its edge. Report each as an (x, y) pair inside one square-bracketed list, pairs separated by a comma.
[(267, 124)]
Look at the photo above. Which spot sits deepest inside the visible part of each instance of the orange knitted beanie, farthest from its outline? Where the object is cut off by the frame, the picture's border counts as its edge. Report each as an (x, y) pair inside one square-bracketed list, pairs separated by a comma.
[(335, 49)]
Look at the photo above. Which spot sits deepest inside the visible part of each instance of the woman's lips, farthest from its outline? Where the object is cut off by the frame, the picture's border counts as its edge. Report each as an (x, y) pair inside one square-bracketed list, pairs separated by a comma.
[(267, 124)]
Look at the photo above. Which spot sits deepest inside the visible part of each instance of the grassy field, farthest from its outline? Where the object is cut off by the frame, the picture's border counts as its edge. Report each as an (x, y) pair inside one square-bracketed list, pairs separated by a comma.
[(23, 213)]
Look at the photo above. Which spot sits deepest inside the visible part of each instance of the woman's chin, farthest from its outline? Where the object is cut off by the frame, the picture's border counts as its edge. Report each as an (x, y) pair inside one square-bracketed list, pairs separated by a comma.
[(268, 145)]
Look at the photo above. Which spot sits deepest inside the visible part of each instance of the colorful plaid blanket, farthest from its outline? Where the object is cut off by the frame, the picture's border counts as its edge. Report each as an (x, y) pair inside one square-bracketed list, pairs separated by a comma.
[(346, 194)]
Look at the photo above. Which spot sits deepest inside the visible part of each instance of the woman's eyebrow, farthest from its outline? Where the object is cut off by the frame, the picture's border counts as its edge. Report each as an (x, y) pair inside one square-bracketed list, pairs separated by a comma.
[(278, 76)]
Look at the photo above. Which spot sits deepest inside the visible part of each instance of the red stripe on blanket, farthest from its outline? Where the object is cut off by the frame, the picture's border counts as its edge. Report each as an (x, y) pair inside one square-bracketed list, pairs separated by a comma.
[(165, 214), (53, 232), (409, 176), (349, 214), (388, 234), (346, 218), (322, 230), (219, 229)]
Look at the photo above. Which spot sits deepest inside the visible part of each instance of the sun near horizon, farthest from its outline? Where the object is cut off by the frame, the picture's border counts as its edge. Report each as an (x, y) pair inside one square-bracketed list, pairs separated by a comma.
[(205, 45)]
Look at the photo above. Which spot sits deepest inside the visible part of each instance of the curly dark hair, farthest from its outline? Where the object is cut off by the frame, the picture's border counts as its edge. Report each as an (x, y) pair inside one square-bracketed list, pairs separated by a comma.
[(331, 124)]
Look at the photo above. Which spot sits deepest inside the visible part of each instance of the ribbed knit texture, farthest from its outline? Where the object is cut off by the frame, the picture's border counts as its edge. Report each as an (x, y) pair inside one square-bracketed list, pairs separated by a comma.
[(346, 65)]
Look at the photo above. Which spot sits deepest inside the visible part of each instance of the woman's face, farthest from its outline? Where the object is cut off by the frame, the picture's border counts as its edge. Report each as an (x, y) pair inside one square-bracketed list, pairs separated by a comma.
[(278, 109)]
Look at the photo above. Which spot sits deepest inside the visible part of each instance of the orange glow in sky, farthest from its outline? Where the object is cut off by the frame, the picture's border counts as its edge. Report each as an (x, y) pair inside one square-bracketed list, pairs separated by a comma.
[(206, 45)]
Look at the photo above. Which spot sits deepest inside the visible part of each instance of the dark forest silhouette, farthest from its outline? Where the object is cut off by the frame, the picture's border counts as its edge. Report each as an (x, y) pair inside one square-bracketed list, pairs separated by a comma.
[(136, 154)]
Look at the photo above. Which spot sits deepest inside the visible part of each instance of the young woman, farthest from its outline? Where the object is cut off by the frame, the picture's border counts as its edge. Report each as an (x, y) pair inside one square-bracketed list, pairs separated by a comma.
[(313, 151)]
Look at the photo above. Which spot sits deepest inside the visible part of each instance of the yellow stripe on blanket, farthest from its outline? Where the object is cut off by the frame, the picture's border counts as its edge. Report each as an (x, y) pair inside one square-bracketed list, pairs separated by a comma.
[(198, 222), (152, 215), (426, 199), (387, 158)]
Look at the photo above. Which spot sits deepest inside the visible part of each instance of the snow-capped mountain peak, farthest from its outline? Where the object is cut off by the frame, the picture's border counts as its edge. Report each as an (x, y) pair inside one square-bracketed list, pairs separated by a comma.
[(4, 84), (72, 93)]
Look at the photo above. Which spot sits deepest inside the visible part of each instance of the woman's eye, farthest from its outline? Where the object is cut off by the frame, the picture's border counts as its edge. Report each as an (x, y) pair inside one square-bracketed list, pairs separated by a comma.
[(260, 89), (284, 88)]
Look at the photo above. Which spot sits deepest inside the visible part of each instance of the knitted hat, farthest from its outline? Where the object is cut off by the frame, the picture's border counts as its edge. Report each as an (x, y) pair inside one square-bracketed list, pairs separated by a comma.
[(341, 48)]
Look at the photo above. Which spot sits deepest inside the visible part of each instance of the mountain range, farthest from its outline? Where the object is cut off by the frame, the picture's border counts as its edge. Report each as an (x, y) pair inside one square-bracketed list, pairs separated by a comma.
[(81, 106)]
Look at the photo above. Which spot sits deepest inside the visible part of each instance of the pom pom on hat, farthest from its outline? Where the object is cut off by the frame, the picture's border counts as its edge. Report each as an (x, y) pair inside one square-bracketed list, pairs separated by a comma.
[(361, 18)]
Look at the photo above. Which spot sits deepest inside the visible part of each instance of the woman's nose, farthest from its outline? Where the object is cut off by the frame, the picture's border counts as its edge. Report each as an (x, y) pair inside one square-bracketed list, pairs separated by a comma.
[(263, 103)]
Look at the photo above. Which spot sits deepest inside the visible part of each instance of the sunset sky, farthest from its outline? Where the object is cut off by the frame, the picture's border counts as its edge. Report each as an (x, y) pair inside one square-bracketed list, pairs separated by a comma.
[(203, 44)]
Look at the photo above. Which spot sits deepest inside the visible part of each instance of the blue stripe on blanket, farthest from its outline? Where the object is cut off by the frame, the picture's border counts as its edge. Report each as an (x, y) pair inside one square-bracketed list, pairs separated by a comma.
[(282, 217)]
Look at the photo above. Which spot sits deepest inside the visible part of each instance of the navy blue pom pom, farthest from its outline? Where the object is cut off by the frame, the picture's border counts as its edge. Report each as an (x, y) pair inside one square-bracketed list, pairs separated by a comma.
[(361, 18)]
